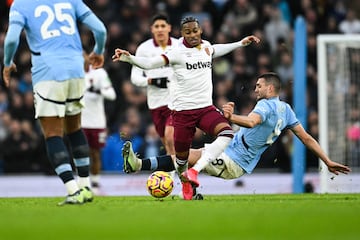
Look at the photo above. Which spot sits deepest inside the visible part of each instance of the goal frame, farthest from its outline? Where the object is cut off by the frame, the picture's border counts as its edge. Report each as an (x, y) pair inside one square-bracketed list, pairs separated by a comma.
[(322, 40)]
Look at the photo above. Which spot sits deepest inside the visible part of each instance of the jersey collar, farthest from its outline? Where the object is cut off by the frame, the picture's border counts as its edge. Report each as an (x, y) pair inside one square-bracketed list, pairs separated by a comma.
[(157, 45)]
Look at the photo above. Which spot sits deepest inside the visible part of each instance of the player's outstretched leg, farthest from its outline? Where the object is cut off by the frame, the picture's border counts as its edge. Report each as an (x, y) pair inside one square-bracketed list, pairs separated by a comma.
[(131, 162)]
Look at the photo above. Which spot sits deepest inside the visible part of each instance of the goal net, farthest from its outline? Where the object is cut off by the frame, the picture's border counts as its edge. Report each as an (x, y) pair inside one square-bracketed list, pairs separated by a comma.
[(339, 108)]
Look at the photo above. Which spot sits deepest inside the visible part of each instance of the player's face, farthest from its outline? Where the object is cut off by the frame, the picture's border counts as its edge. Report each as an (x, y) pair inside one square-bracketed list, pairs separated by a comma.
[(161, 30), (261, 89), (191, 32)]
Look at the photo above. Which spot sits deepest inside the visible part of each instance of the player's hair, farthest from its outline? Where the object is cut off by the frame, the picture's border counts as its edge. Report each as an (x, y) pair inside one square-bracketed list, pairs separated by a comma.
[(188, 19), (160, 16), (273, 79)]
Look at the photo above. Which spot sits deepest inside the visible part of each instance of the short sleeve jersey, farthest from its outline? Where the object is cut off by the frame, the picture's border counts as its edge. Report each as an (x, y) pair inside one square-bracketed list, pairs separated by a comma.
[(52, 36), (249, 143)]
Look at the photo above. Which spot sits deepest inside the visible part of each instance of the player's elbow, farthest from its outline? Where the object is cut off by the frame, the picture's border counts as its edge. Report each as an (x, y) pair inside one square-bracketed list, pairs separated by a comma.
[(110, 94), (11, 43), (251, 124), (111, 97), (103, 29)]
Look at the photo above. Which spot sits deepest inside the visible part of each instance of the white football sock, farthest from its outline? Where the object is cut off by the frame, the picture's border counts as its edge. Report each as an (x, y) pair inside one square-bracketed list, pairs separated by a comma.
[(180, 168), (84, 182), (71, 187), (212, 151)]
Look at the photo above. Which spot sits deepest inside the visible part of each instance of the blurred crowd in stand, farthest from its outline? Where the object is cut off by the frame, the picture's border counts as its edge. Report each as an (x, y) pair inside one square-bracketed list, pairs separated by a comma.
[(21, 144)]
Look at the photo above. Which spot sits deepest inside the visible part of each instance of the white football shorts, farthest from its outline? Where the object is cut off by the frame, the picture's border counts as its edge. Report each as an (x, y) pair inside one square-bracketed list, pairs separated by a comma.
[(54, 98), (224, 167)]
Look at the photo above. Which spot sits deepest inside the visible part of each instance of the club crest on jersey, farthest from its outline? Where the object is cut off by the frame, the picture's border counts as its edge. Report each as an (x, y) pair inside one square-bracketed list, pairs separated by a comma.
[(207, 51)]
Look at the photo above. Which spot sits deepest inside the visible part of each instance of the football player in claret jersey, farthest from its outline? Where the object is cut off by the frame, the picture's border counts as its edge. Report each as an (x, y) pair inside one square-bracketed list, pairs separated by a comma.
[(58, 79), (158, 80), (259, 129), (191, 94)]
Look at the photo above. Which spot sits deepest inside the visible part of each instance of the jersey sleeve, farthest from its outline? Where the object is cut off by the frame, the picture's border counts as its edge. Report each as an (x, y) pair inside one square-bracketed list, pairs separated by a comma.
[(138, 76), (292, 120), (15, 16), (173, 56), (223, 49), (82, 10), (11, 43), (16, 24), (87, 17), (262, 109)]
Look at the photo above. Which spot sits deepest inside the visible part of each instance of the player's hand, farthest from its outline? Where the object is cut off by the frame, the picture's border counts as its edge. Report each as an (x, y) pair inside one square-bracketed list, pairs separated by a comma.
[(160, 82), (93, 90), (249, 39), (337, 168), (7, 73), (228, 109), (96, 60), (117, 54)]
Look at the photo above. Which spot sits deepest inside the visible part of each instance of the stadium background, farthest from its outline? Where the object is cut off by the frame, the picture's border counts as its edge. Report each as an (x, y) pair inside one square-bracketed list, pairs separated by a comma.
[(21, 144)]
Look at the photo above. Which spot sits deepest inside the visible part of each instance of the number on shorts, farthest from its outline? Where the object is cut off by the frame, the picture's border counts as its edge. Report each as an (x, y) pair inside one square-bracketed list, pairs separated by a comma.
[(60, 16), (217, 162)]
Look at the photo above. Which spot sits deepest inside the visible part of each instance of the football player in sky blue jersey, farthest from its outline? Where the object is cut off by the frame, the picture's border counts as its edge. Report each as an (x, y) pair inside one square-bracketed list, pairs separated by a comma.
[(258, 131), (58, 79)]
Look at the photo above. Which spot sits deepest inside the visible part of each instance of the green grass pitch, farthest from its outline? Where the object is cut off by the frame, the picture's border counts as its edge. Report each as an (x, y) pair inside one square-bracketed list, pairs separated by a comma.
[(283, 216)]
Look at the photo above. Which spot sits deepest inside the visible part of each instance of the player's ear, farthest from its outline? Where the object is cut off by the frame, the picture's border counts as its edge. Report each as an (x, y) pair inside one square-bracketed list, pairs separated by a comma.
[(271, 88)]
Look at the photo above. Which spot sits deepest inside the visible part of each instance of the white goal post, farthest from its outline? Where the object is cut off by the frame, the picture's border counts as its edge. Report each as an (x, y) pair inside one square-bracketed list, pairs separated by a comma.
[(338, 59)]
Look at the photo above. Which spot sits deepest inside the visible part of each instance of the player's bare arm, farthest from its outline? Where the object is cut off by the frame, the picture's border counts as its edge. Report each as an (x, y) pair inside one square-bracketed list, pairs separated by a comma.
[(228, 109), (314, 146), (7, 73), (248, 121)]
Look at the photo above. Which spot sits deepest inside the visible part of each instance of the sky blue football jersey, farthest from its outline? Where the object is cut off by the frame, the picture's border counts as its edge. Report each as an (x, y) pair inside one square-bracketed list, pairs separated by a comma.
[(52, 35), (249, 143)]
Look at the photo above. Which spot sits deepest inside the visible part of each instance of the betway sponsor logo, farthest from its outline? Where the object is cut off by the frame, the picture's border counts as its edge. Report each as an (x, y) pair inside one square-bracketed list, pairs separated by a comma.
[(198, 65)]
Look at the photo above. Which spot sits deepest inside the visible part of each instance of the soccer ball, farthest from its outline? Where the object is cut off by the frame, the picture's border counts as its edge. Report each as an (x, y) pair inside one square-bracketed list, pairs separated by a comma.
[(160, 184)]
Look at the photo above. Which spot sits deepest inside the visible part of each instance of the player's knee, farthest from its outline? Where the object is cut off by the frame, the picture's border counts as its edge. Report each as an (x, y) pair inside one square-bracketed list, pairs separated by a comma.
[(182, 148)]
